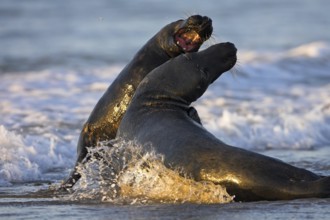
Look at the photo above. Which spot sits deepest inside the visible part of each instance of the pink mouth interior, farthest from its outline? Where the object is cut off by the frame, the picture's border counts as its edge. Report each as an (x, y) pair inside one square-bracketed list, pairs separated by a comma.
[(189, 41), (185, 45)]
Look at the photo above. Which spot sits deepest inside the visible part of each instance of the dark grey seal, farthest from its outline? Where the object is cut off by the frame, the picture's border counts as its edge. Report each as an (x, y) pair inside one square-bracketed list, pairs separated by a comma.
[(175, 38), (157, 117)]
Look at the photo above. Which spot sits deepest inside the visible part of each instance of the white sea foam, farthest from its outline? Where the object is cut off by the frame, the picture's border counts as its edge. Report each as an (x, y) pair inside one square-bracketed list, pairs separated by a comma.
[(275, 100), (15, 164)]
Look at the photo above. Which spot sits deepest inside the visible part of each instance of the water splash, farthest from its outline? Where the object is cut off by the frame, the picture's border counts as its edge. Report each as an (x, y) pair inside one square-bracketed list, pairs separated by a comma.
[(126, 173)]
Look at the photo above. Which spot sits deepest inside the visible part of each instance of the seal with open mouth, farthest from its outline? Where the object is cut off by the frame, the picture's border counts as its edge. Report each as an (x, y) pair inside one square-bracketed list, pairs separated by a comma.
[(175, 38)]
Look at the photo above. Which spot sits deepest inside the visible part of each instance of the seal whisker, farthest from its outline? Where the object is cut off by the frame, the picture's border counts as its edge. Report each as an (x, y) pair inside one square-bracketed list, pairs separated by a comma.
[(188, 14), (233, 71), (212, 40), (236, 70)]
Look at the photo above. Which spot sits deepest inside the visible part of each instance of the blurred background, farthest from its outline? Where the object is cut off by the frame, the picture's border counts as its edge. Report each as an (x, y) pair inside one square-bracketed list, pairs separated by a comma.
[(39, 34)]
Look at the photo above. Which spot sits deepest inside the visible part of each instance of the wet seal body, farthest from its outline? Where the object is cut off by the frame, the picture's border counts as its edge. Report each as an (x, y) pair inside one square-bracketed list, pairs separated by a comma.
[(174, 39), (157, 117)]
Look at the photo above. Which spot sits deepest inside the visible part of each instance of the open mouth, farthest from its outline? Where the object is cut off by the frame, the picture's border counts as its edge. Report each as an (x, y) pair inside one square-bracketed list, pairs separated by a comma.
[(188, 40), (193, 32)]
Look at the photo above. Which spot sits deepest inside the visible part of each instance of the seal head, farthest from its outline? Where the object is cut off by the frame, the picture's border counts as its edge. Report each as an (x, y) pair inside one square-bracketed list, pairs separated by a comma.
[(187, 77), (186, 35)]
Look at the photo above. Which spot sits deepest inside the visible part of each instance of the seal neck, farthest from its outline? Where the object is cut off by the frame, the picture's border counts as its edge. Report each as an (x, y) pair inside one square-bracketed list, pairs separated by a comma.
[(149, 57), (151, 101)]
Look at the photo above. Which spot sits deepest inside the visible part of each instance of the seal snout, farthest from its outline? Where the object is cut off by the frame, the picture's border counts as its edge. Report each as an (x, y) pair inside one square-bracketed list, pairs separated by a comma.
[(216, 59), (203, 22), (226, 54), (206, 30), (222, 53), (230, 46), (203, 25), (193, 32), (231, 52)]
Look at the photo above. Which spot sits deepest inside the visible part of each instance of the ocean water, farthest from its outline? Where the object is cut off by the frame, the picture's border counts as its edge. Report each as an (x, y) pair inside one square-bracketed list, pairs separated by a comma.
[(58, 57)]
